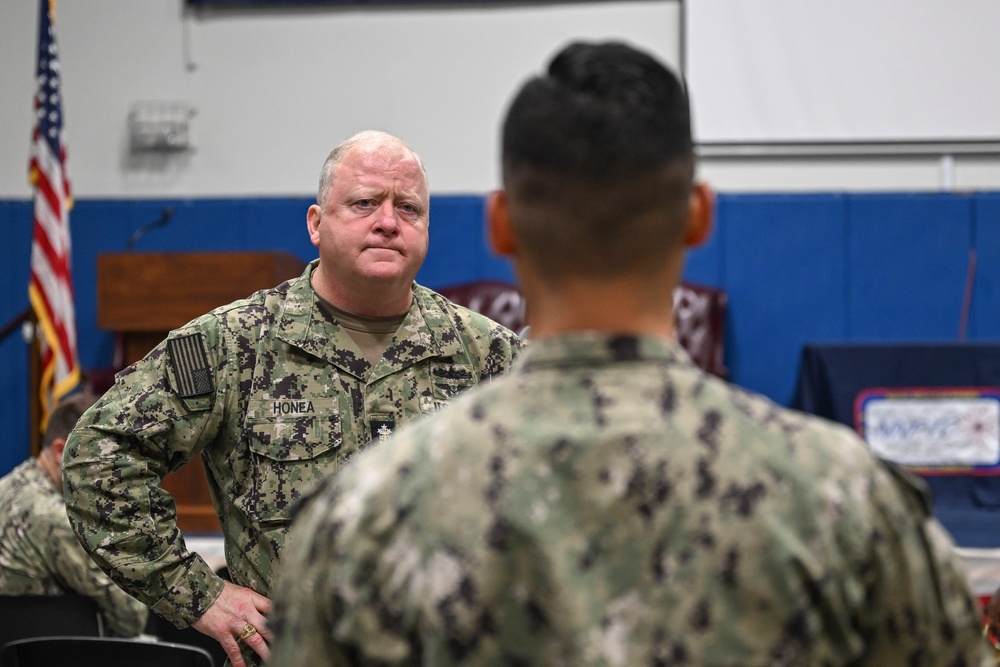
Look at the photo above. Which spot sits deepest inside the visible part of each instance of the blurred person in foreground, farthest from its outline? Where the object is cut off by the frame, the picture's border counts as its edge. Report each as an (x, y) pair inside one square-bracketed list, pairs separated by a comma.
[(39, 552), (608, 503), (275, 392)]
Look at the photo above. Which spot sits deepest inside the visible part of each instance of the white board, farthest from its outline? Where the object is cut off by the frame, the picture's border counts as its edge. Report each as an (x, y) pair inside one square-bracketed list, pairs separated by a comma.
[(776, 71)]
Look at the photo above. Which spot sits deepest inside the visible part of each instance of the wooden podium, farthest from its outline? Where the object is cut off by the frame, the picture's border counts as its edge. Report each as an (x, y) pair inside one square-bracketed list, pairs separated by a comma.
[(142, 296)]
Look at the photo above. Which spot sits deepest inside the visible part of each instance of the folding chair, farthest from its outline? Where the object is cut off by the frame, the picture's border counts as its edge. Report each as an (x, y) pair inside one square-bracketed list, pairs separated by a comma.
[(101, 652)]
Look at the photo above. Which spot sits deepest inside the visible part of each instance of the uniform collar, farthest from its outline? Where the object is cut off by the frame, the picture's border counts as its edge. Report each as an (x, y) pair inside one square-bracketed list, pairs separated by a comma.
[(590, 348), (426, 331), (38, 473)]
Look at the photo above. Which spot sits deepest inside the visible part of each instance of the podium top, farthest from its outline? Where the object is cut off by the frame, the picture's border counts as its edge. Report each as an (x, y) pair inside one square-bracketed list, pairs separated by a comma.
[(157, 292)]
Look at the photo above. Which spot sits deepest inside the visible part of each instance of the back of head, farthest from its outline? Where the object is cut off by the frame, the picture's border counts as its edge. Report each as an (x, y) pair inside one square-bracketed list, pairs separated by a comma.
[(65, 416), (598, 162)]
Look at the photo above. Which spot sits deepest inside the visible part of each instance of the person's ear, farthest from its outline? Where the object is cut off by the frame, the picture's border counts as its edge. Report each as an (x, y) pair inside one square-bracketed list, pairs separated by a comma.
[(312, 222), (700, 216), (58, 446), (498, 219)]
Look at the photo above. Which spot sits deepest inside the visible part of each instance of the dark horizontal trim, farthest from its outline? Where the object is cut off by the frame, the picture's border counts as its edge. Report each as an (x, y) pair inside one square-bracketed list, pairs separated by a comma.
[(254, 4), (894, 148)]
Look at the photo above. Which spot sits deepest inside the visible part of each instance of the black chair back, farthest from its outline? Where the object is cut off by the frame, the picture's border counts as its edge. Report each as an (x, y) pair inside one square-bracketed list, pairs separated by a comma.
[(26, 616), (101, 652), (165, 631)]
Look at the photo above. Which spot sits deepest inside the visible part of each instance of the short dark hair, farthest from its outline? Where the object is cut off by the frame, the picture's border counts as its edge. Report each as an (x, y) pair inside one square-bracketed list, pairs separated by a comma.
[(65, 416), (598, 161)]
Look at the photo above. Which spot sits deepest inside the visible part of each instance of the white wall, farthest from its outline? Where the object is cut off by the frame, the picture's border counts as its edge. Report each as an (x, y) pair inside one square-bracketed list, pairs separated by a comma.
[(844, 70), (913, 78), (275, 90)]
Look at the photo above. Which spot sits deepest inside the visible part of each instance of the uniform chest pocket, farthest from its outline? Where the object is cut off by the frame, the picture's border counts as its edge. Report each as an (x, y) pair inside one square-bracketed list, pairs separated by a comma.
[(449, 380), (293, 444)]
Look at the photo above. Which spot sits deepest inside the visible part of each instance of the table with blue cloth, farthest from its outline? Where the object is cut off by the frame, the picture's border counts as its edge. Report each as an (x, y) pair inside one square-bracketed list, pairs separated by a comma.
[(832, 377)]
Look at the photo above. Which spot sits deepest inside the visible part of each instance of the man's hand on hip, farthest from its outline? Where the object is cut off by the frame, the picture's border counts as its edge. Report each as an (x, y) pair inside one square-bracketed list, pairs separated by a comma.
[(238, 615)]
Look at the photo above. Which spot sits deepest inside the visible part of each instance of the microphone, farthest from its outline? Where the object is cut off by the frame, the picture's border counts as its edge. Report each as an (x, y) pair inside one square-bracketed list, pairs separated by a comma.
[(168, 212)]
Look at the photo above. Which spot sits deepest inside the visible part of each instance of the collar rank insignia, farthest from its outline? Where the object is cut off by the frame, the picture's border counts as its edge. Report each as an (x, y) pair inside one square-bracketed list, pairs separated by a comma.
[(190, 365)]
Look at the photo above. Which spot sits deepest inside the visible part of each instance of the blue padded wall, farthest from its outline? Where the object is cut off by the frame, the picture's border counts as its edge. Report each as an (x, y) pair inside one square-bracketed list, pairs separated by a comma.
[(15, 261), (785, 271), (798, 269), (984, 317), (908, 257)]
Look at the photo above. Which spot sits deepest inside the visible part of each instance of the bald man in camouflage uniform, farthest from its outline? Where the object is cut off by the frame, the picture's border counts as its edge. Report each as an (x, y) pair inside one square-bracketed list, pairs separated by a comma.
[(39, 552), (276, 392), (608, 503)]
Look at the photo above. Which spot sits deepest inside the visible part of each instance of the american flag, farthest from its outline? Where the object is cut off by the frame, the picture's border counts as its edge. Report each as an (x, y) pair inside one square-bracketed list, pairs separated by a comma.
[(51, 286)]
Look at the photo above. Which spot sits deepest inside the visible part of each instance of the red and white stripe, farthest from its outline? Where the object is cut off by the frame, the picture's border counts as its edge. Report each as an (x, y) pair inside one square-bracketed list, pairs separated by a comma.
[(51, 287)]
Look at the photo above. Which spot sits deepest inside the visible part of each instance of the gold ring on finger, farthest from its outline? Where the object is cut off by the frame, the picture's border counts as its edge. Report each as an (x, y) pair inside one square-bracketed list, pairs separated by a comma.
[(248, 631)]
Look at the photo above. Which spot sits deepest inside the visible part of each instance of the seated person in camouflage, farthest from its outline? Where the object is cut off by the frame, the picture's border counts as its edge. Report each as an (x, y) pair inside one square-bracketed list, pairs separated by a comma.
[(39, 552), (275, 392), (607, 502)]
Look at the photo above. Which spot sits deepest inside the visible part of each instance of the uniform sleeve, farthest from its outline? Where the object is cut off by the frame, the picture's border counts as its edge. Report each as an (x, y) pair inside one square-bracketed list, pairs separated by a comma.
[(329, 607), (494, 346), (921, 603), (301, 619), (123, 615), (357, 581), (152, 421)]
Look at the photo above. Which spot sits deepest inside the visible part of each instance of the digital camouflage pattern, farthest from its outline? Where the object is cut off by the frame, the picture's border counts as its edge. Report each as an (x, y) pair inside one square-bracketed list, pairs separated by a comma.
[(41, 555), (608, 503), (274, 396)]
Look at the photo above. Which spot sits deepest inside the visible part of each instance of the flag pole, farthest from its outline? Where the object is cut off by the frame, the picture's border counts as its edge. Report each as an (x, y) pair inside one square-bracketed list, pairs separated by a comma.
[(34, 383), (27, 322)]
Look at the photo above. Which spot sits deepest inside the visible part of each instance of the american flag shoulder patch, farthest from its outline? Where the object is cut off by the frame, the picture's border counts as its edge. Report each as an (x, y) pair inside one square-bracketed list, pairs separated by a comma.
[(190, 364)]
